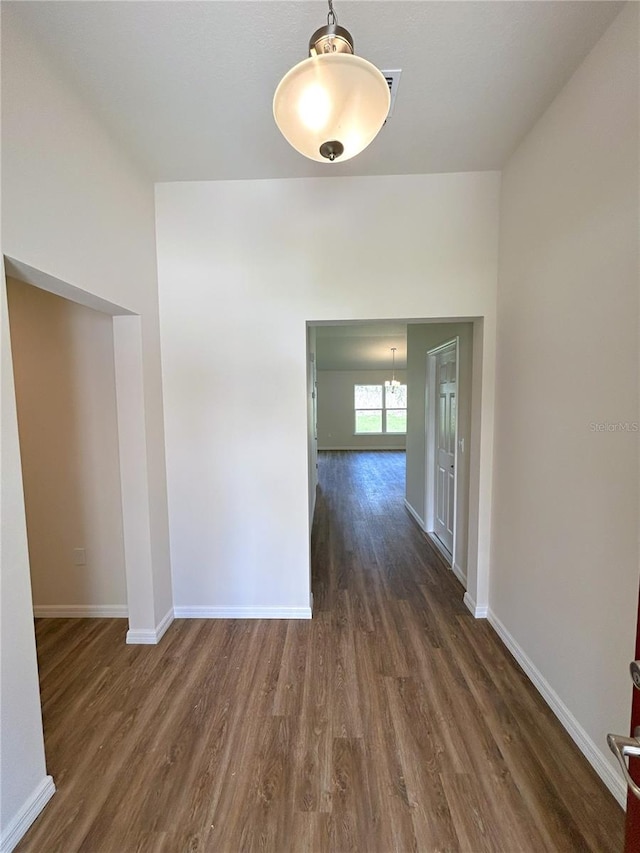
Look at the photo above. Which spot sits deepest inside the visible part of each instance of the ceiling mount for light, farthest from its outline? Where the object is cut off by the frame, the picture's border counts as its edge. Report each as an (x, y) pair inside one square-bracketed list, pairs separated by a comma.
[(331, 38), (331, 106)]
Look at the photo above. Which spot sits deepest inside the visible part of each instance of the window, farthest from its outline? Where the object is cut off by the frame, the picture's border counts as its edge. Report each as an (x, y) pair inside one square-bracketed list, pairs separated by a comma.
[(380, 409)]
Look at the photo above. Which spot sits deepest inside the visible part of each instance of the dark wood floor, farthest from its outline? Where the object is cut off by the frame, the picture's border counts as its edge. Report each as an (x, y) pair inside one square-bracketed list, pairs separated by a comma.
[(393, 721)]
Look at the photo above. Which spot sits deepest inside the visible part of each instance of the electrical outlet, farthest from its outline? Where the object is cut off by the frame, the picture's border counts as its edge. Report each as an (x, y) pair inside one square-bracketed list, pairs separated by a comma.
[(79, 557)]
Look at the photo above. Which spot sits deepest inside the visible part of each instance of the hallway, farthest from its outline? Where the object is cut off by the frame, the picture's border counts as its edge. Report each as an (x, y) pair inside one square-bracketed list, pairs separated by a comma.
[(392, 721), (445, 728)]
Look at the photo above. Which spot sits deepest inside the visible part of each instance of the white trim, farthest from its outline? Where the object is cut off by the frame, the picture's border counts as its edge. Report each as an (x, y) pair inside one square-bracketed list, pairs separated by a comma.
[(592, 752), (80, 611), (457, 570), (430, 439), (147, 636), (233, 612), (413, 513), (141, 637), (370, 447), (167, 619), (17, 827), (439, 546), (445, 345), (480, 612)]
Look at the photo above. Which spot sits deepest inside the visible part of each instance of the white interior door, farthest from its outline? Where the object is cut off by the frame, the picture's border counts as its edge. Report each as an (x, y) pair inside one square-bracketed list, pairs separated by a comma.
[(445, 449)]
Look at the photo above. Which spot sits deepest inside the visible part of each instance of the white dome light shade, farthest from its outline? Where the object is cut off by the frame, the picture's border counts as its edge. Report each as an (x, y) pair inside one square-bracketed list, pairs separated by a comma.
[(335, 100)]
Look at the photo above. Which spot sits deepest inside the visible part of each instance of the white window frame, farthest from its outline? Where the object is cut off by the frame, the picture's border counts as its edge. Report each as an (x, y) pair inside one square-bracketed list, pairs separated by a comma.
[(386, 392)]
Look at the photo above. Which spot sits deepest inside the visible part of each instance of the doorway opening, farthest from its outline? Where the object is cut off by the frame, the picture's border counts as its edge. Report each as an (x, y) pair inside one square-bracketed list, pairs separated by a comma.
[(145, 626), (463, 493), (64, 375)]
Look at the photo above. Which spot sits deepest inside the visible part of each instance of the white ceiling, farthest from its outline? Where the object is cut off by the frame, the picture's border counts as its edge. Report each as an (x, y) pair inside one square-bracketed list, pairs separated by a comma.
[(187, 86), (365, 346)]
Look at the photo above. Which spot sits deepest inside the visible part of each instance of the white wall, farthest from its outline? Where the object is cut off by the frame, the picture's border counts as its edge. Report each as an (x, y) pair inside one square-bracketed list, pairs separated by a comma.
[(22, 760), (564, 580), (421, 338), (336, 414), (66, 395), (73, 208), (76, 209), (242, 267)]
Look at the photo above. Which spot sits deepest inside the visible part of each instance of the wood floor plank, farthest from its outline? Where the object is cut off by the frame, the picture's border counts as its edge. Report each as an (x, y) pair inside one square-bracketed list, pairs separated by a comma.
[(393, 722), (347, 702), (475, 828), (313, 765), (387, 784), (287, 700), (311, 831), (352, 812)]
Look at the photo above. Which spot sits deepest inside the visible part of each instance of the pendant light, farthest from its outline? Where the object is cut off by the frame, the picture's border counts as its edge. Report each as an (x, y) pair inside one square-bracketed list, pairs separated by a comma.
[(393, 383), (331, 106)]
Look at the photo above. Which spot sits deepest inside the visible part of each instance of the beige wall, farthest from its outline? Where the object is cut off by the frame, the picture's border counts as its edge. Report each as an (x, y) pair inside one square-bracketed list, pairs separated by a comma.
[(336, 410), (422, 337), (564, 579), (65, 390)]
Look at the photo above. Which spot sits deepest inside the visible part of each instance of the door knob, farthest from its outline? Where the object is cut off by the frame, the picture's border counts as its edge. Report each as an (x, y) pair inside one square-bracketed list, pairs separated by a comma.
[(622, 747)]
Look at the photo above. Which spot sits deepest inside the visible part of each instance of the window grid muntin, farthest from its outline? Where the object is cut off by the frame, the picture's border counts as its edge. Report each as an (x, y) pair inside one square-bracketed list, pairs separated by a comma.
[(378, 396)]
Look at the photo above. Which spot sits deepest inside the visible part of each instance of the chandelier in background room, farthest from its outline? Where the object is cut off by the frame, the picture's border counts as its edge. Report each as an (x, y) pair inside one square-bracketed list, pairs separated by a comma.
[(393, 383)]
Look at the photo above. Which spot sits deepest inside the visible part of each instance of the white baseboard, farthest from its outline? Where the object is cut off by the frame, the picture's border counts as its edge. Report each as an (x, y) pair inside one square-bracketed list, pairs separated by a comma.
[(242, 612), (594, 755), (373, 447), (80, 611), (414, 514), (141, 637), (161, 627), (437, 544), (17, 827), (149, 636), (480, 612), (457, 570)]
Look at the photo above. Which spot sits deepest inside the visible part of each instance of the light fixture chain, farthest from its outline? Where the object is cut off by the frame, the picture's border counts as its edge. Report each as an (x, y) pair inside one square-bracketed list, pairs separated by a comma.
[(332, 18)]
